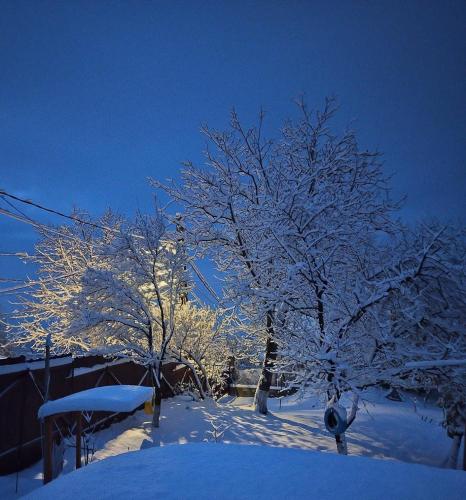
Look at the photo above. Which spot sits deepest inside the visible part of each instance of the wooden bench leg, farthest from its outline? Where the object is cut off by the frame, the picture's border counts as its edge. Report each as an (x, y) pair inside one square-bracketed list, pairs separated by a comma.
[(47, 449), (78, 439)]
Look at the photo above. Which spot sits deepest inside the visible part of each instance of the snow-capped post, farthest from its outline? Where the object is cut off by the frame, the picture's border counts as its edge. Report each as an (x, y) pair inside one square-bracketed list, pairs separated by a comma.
[(51, 452), (47, 424), (48, 345)]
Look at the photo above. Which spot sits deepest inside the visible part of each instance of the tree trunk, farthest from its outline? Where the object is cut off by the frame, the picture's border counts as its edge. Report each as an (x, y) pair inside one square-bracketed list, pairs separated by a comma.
[(342, 445), (340, 439), (197, 380), (454, 451), (320, 315), (157, 405), (265, 380), (157, 399), (206, 379)]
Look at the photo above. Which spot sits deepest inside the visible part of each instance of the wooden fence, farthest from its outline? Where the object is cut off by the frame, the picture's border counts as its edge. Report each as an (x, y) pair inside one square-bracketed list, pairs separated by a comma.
[(22, 390)]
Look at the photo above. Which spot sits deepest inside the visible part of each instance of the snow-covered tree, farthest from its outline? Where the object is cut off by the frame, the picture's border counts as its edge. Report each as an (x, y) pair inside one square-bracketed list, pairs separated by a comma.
[(129, 305), (62, 256), (224, 204), (281, 218), (394, 315), (110, 287), (426, 322), (201, 340)]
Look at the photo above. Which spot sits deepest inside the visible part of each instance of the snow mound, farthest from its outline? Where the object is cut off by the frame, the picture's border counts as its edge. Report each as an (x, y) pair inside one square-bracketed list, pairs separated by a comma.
[(213, 471)]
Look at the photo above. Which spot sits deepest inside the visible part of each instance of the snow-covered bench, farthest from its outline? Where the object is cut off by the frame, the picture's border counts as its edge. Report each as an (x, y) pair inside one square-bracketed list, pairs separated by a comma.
[(112, 398)]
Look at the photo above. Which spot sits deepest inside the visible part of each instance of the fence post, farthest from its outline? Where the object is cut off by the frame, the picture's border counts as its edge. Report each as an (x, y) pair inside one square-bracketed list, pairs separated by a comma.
[(21, 428), (48, 345), (47, 443), (464, 448)]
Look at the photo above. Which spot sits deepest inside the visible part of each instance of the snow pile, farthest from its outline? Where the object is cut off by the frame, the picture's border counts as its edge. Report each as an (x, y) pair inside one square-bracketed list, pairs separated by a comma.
[(212, 471), (115, 398)]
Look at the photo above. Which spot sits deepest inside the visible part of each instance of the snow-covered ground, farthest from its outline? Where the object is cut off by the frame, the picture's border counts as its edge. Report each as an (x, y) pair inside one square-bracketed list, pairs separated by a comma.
[(383, 429), (216, 471)]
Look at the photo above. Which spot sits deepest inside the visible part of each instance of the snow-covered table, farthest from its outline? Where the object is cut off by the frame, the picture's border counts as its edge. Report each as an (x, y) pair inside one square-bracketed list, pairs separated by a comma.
[(112, 398), (116, 398)]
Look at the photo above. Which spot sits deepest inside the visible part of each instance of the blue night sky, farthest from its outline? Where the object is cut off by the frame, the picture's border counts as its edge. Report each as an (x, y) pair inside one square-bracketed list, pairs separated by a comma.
[(96, 96)]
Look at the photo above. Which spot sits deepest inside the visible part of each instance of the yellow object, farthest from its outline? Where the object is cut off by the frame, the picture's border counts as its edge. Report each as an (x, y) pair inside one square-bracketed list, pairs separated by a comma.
[(148, 408)]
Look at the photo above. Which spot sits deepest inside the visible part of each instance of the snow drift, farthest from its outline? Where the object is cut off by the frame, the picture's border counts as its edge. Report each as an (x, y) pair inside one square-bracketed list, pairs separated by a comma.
[(212, 471)]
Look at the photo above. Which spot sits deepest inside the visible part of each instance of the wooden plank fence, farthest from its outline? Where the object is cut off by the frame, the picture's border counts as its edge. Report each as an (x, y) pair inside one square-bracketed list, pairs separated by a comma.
[(22, 393)]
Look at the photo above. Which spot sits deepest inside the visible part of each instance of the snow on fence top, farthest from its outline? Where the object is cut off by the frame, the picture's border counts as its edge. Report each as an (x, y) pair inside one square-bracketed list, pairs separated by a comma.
[(115, 398), (34, 365), (84, 370)]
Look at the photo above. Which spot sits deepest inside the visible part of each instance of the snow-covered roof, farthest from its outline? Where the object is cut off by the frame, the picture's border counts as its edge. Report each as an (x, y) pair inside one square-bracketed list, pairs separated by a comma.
[(115, 398)]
